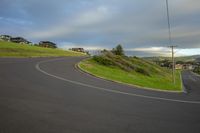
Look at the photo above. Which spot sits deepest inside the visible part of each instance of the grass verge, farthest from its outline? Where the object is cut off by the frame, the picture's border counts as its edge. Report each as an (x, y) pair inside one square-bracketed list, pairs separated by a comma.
[(159, 81), (9, 49)]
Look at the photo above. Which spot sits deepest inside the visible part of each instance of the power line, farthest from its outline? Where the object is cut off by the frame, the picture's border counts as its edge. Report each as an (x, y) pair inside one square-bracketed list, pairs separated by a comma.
[(170, 43), (168, 22)]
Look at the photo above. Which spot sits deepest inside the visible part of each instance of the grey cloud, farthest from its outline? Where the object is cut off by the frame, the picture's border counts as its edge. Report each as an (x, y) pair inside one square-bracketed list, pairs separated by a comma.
[(101, 22)]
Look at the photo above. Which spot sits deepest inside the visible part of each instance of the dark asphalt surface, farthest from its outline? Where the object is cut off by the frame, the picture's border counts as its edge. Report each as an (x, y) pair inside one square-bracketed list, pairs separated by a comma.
[(48, 95)]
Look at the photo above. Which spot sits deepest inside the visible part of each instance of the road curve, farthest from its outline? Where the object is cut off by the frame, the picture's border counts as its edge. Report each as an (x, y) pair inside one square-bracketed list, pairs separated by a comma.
[(49, 95)]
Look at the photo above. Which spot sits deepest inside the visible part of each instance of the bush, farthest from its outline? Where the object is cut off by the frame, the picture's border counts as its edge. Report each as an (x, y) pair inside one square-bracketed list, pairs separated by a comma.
[(142, 71), (103, 60), (118, 50), (125, 63), (120, 61), (197, 70)]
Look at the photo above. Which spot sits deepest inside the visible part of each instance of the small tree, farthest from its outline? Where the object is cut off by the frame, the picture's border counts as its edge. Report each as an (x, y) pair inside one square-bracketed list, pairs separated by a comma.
[(118, 50)]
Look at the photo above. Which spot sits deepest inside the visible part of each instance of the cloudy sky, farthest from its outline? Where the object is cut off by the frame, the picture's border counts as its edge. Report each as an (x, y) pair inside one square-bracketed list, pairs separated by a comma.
[(140, 25)]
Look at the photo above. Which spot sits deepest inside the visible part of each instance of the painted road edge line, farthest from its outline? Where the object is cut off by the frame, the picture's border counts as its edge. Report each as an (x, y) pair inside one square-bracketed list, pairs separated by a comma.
[(37, 66)]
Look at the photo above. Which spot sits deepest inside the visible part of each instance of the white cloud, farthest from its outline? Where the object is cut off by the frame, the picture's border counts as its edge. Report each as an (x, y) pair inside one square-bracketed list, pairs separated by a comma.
[(104, 23), (184, 7), (186, 52), (162, 51), (76, 24), (151, 49), (68, 45)]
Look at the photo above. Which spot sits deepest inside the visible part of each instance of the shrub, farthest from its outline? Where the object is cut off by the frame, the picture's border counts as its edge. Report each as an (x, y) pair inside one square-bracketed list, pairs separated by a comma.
[(142, 71), (103, 60), (197, 70), (118, 50), (125, 63)]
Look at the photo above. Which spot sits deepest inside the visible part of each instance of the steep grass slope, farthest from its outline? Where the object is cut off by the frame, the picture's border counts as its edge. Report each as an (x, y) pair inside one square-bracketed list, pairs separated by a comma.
[(9, 49), (133, 71)]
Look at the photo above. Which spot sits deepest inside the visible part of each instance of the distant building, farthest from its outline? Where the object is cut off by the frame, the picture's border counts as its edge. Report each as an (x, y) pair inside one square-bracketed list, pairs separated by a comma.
[(5, 38), (20, 40), (78, 50), (188, 66), (179, 66), (47, 44), (14, 39)]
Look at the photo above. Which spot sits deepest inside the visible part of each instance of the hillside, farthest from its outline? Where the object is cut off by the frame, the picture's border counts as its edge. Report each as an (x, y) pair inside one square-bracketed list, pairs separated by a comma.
[(181, 58), (197, 59), (130, 70), (9, 49)]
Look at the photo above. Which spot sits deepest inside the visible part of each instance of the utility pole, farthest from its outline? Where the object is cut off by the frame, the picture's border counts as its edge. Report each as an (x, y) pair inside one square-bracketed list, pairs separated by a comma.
[(168, 22), (170, 43), (173, 64)]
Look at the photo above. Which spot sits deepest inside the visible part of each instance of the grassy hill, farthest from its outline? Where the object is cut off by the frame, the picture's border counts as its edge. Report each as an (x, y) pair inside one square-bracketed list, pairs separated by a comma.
[(181, 58), (9, 49), (132, 71)]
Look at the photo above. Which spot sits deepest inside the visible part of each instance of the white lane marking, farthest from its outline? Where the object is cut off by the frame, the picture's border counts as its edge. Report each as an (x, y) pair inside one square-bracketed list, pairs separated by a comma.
[(37, 66)]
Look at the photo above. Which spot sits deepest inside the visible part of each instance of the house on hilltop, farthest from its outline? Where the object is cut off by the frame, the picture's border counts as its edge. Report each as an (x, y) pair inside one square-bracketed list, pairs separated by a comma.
[(188, 66), (5, 38), (78, 50), (179, 66), (20, 40), (47, 44), (8, 38)]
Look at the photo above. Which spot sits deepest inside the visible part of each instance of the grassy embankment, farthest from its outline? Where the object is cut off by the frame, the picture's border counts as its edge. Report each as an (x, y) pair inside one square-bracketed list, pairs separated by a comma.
[(9, 49), (132, 71)]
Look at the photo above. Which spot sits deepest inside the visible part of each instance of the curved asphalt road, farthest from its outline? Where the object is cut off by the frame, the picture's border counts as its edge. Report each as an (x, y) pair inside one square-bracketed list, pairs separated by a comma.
[(48, 95)]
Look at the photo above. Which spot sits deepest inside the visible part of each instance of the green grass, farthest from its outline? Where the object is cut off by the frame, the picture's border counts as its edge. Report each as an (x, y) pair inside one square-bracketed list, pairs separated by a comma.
[(160, 78), (9, 49)]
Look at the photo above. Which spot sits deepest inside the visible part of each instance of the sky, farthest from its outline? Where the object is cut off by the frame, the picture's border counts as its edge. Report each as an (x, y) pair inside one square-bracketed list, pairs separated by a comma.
[(139, 25)]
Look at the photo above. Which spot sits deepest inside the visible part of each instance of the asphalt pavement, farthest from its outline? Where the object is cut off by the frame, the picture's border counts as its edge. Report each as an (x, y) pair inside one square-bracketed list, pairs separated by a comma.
[(49, 95)]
